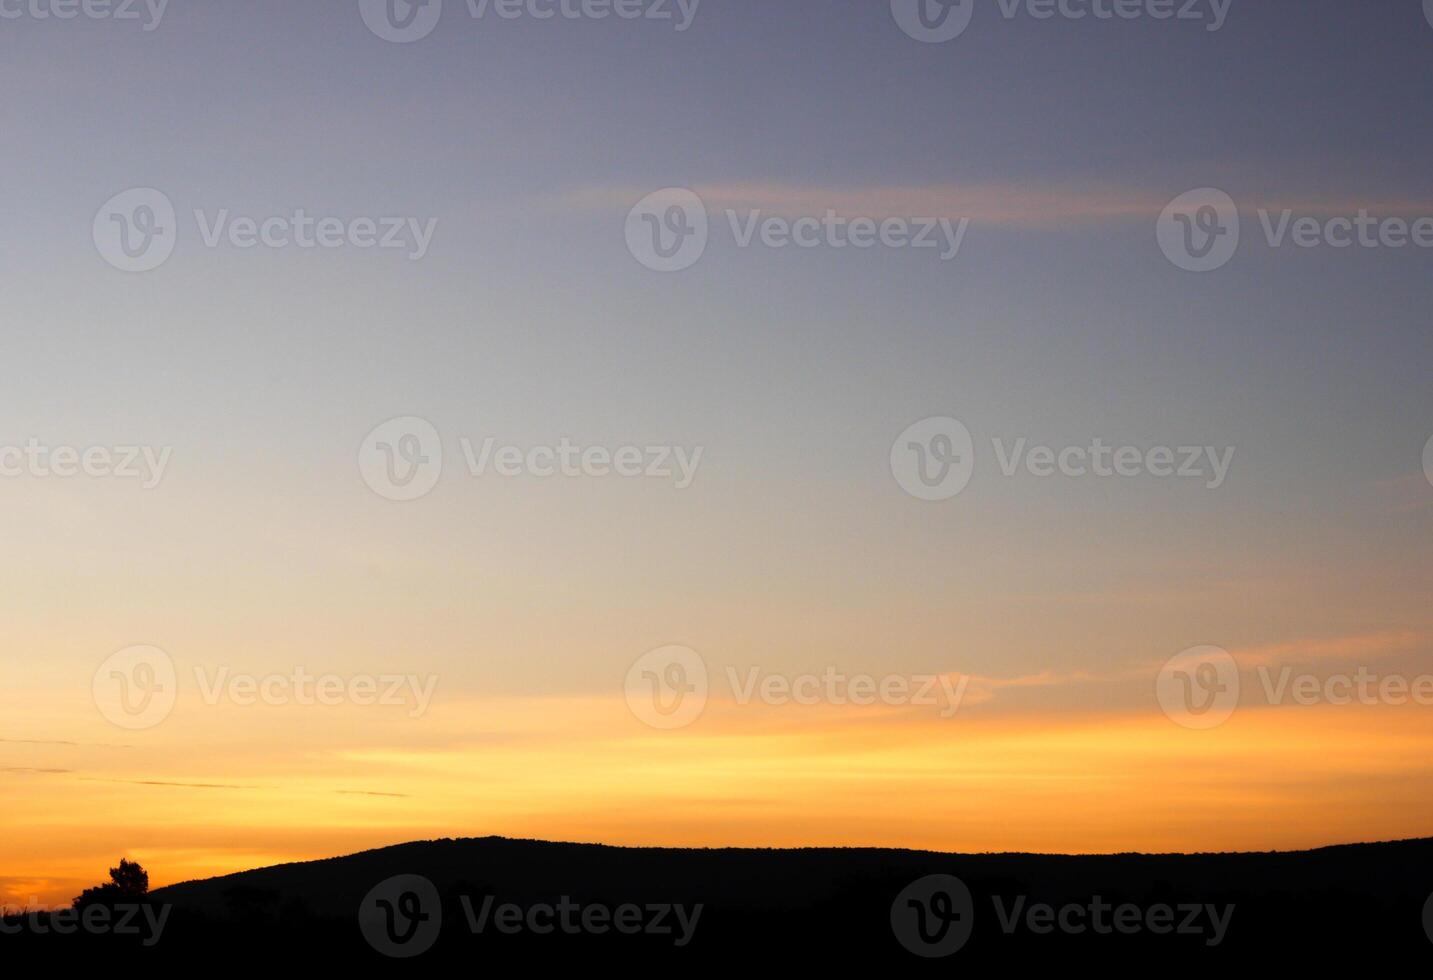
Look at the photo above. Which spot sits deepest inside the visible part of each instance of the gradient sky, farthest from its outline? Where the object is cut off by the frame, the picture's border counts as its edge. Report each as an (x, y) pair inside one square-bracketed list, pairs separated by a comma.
[(1060, 321)]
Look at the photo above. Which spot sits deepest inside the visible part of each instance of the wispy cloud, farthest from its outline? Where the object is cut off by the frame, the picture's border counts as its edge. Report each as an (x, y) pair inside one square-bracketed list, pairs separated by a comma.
[(1360, 648), (62, 744), (993, 203), (1357, 648), (161, 782), (37, 772)]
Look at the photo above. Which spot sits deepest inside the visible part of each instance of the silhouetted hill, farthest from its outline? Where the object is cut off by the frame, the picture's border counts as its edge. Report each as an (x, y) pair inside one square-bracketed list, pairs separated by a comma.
[(498, 900)]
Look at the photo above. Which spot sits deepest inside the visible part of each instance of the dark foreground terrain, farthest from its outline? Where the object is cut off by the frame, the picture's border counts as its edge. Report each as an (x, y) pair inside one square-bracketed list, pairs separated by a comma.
[(479, 903)]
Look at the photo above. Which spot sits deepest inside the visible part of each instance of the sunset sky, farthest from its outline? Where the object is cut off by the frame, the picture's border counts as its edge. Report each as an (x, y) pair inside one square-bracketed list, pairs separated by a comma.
[(1055, 600)]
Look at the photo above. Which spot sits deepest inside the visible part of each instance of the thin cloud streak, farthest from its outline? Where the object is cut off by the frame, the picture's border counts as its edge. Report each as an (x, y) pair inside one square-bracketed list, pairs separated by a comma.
[(62, 744), (991, 203), (1013, 205), (25, 770), (159, 782)]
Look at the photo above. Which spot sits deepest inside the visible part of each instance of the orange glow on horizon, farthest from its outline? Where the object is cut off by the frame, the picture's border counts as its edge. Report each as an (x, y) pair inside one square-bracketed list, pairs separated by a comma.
[(586, 770)]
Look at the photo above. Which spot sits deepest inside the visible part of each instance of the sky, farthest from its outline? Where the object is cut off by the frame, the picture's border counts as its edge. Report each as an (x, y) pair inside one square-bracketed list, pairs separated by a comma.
[(264, 533)]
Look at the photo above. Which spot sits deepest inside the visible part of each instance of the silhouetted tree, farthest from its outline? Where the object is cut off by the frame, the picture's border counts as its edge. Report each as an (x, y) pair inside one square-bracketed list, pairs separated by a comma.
[(128, 883)]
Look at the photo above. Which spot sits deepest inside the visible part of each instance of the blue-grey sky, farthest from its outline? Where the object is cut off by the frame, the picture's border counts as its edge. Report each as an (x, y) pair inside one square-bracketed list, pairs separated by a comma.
[(799, 545), (528, 140)]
